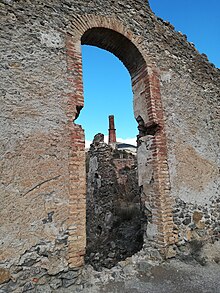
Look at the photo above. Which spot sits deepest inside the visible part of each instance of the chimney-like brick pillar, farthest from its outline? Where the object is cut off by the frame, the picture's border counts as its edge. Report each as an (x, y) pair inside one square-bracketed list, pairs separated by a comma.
[(112, 130)]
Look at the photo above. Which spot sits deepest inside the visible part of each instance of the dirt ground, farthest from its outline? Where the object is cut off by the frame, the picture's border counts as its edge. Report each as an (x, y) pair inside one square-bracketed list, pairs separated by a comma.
[(170, 277), (175, 277)]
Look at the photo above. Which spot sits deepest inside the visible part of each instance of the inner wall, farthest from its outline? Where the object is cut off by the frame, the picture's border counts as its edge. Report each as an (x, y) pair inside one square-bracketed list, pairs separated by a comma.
[(114, 212)]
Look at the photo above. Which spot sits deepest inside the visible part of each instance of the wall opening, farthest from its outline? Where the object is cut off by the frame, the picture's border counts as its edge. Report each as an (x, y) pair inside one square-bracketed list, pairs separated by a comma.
[(114, 214), (107, 90), (153, 173), (107, 211)]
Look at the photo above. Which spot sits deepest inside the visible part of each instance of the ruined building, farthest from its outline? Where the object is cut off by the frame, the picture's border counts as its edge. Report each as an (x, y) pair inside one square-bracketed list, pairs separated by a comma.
[(115, 215), (176, 97)]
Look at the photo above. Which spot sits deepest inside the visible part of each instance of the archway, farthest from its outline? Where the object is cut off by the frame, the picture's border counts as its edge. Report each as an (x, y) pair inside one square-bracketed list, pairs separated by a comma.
[(153, 172), (113, 211), (107, 90)]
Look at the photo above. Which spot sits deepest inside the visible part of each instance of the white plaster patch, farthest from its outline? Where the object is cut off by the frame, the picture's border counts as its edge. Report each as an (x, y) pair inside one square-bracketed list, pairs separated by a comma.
[(201, 198), (93, 165), (51, 39), (143, 156), (151, 231), (99, 182), (166, 77), (139, 101)]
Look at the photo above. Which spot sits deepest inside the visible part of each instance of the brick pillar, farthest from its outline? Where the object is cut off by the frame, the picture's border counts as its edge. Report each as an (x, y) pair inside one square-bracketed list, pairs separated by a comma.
[(77, 172), (112, 130)]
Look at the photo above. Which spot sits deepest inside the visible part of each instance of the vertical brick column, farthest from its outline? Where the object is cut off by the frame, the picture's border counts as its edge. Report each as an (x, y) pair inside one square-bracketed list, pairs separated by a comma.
[(163, 215), (77, 173), (148, 106)]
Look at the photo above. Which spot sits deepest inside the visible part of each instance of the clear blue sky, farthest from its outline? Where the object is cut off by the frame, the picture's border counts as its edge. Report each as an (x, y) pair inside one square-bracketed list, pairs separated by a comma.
[(107, 85)]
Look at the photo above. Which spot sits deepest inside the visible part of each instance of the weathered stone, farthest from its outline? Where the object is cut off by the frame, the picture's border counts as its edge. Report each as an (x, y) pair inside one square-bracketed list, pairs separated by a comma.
[(144, 266), (28, 286), (70, 274), (9, 286), (211, 252), (197, 216), (54, 264), (187, 221), (41, 281), (43, 289), (113, 205), (129, 270), (68, 282), (98, 138), (4, 275), (170, 252), (43, 182), (55, 283)]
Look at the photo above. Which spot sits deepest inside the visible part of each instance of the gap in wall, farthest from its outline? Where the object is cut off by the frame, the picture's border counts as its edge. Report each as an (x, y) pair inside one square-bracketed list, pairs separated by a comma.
[(114, 213)]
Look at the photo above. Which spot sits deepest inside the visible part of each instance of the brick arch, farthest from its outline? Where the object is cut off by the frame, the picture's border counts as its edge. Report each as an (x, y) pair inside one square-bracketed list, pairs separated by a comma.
[(116, 43), (110, 34)]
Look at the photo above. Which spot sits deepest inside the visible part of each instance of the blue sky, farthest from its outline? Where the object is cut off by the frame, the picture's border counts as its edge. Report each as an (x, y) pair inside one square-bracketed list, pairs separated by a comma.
[(198, 19), (107, 85), (107, 91)]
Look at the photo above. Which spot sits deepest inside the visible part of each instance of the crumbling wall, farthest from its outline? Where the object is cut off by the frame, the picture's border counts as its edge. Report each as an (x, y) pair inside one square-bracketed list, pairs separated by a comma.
[(42, 157), (34, 148), (192, 127), (114, 215)]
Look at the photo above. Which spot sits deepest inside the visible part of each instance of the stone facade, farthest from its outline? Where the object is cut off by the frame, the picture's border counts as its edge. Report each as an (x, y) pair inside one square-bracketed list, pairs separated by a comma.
[(43, 178)]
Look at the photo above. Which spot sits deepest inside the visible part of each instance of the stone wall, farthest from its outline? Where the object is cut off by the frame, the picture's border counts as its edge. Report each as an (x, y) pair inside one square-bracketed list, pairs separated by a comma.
[(43, 182), (114, 213)]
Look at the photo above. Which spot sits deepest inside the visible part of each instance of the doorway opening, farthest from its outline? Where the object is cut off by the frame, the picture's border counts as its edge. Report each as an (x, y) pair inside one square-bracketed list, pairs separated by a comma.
[(152, 165), (114, 214)]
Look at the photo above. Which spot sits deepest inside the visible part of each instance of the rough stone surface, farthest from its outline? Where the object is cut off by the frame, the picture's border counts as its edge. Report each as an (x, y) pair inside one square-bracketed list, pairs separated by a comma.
[(145, 276), (4, 275), (114, 214), (42, 171)]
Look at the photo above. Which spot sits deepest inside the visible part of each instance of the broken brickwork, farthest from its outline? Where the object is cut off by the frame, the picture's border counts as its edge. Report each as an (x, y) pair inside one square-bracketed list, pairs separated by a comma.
[(43, 177)]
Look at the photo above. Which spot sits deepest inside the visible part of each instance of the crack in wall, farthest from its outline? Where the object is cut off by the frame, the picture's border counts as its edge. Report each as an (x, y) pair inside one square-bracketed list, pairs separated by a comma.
[(40, 184)]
